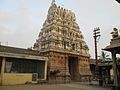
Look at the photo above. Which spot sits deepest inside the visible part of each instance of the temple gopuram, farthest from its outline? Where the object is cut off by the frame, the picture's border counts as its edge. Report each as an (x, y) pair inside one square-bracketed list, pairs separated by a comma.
[(61, 40)]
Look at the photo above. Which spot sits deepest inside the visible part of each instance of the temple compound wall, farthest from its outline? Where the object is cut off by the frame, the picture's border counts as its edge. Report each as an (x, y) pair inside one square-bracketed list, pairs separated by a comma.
[(61, 40)]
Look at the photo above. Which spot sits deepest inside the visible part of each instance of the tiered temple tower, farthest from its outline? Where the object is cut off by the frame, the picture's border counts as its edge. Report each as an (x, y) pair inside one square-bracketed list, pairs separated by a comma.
[(62, 41)]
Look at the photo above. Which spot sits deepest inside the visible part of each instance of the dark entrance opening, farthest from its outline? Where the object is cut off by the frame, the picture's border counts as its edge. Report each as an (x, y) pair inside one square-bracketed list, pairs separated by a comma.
[(73, 68)]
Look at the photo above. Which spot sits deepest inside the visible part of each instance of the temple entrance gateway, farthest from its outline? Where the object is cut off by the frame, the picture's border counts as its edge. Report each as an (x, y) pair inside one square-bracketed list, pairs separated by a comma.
[(73, 67), (61, 40)]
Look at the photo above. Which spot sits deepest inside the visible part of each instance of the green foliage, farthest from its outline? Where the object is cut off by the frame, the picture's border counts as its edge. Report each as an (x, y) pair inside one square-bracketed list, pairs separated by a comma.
[(104, 57)]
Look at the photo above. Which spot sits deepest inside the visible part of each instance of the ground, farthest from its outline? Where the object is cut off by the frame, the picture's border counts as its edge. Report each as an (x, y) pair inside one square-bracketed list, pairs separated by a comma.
[(70, 86)]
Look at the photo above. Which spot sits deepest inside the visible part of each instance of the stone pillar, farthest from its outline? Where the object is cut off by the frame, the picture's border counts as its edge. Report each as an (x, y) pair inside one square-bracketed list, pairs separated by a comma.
[(2, 70), (115, 69), (66, 64), (67, 74), (3, 65), (45, 73)]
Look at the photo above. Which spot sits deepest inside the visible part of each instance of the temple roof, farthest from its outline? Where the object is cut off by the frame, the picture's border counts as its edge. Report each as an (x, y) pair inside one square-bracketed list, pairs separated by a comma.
[(13, 52), (113, 48), (114, 45), (9, 49)]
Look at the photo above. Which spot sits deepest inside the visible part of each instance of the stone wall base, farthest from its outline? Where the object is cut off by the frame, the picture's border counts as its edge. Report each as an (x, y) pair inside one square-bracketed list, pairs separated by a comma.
[(59, 79)]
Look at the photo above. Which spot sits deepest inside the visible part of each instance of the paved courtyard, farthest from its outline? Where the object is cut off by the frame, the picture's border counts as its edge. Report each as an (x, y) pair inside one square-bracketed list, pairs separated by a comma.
[(71, 86)]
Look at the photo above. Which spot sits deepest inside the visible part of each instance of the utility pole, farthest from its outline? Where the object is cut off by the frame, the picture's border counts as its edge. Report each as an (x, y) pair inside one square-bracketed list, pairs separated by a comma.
[(96, 33)]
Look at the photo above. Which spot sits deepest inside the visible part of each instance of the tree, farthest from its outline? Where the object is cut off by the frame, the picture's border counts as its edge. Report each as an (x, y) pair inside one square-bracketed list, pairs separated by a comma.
[(104, 57)]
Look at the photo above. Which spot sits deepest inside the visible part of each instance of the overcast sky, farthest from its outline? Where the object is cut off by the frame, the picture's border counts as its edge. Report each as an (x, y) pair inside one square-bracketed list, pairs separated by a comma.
[(21, 20)]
